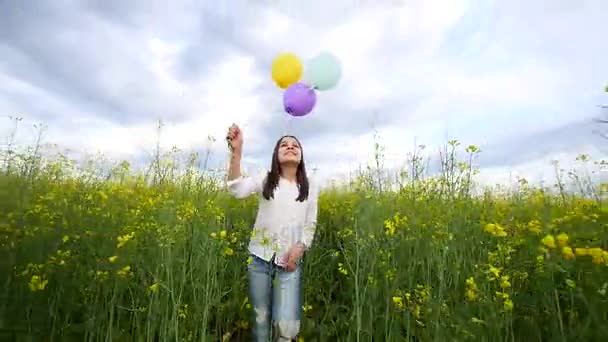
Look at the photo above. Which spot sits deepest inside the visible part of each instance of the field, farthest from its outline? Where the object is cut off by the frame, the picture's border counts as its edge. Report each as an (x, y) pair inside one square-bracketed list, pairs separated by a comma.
[(121, 255)]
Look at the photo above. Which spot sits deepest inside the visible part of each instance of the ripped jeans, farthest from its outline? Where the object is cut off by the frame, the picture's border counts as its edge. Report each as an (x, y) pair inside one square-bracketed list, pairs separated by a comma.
[(275, 296)]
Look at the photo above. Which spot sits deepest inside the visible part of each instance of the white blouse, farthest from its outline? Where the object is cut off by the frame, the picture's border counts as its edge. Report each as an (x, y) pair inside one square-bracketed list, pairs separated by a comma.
[(281, 222)]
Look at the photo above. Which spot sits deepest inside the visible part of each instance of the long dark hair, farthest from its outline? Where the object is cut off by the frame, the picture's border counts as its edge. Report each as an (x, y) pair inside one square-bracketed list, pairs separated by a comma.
[(272, 178)]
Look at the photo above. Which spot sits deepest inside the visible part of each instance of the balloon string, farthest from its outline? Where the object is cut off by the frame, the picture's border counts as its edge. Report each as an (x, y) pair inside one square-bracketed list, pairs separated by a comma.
[(287, 124)]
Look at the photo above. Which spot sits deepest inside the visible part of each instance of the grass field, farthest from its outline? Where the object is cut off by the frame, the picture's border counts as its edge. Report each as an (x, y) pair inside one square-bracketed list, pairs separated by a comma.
[(126, 256)]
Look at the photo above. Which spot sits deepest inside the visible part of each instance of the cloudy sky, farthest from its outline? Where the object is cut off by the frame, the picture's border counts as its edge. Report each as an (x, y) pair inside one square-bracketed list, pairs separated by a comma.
[(520, 79)]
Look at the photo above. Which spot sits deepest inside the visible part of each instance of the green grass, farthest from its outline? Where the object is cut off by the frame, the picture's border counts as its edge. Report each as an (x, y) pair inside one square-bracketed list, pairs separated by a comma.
[(123, 258)]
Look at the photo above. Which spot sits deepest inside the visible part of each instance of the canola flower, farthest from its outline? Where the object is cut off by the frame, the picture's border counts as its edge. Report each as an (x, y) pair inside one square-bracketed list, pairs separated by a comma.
[(534, 226), (549, 241), (472, 292), (409, 248), (562, 239), (154, 287), (568, 253), (506, 300), (124, 272), (392, 225), (495, 230), (37, 283), (123, 239)]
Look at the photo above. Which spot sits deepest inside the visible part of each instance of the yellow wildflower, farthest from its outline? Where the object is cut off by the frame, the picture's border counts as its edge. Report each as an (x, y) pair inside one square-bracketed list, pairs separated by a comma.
[(540, 259), (508, 304), (582, 251), (470, 295), (567, 252), (342, 269), (471, 290), (422, 292), (306, 308), (37, 283), (562, 239), (598, 256), (490, 228), (154, 287), (504, 282), (389, 228), (540, 263), (549, 241), (391, 225), (228, 251), (506, 300), (113, 259), (101, 275), (493, 273), (122, 240), (500, 232), (125, 271), (398, 301), (534, 226), (495, 229)]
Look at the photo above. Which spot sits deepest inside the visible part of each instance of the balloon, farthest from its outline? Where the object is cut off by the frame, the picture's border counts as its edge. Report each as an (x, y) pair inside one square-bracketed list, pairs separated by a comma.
[(287, 69), (323, 71), (299, 99)]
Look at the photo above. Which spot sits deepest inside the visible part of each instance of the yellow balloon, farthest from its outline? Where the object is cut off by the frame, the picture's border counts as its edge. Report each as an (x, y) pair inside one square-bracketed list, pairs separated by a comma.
[(286, 70)]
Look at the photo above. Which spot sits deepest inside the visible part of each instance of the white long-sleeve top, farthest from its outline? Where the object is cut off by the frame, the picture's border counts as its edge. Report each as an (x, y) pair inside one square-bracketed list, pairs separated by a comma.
[(281, 221)]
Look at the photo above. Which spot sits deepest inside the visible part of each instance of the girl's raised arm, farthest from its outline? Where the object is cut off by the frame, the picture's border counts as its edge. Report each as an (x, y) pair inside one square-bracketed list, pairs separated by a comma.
[(239, 186), (235, 144)]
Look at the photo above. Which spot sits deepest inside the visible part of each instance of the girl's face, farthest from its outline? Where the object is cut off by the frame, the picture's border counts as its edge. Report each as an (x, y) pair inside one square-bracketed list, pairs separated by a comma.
[(289, 151)]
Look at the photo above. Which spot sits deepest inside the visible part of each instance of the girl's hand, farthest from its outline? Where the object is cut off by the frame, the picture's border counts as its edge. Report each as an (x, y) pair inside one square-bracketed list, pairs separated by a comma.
[(234, 137), (294, 255)]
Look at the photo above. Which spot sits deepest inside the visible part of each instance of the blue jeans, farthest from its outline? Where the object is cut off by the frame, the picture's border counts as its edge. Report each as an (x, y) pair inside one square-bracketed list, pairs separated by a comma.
[(275, 295)]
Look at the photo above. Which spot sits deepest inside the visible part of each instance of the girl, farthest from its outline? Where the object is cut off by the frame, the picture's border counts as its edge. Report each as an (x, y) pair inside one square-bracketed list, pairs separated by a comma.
[(284, 229)]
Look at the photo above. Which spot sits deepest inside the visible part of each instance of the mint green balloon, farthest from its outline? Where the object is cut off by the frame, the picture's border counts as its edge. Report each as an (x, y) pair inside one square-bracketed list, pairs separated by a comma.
[(323, 71)]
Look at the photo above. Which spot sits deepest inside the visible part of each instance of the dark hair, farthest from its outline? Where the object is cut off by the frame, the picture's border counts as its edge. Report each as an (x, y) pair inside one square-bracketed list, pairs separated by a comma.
[(272, 178)]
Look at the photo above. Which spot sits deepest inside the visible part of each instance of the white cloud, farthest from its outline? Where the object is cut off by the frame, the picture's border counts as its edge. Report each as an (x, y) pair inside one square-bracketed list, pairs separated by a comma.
[(479, 73), (225, 96)]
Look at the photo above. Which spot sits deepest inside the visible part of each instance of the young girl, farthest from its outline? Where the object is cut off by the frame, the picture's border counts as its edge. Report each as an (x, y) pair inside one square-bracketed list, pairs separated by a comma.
[(284, 229)]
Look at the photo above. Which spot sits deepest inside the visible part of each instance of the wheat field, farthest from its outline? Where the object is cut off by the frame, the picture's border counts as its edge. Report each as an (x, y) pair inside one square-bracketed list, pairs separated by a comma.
[(160, 255)]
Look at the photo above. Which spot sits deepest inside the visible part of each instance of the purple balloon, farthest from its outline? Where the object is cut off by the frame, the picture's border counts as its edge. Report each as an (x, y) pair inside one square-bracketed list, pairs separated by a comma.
[(299, 99)]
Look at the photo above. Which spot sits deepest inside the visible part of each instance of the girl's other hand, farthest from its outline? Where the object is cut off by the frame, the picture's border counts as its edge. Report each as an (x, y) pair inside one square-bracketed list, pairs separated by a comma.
[(293, 256)]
